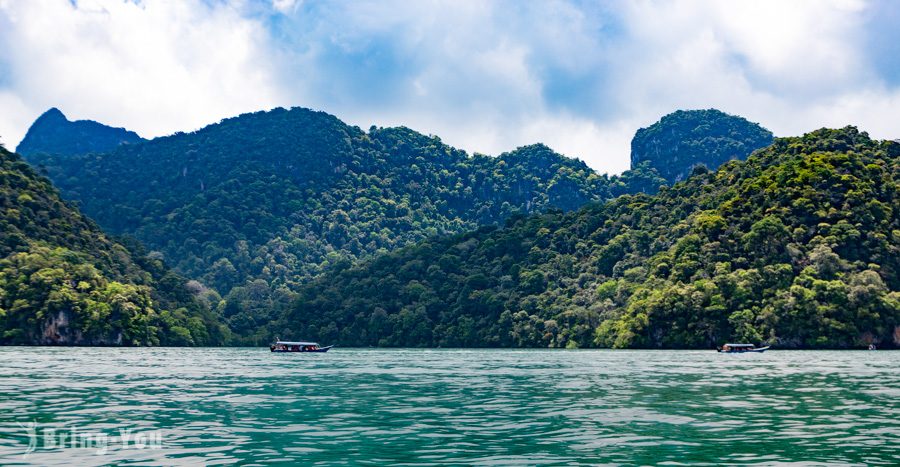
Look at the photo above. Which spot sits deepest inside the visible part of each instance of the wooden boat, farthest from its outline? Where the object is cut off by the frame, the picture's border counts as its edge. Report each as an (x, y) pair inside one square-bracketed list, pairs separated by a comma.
[(742, 348), (290, 346)]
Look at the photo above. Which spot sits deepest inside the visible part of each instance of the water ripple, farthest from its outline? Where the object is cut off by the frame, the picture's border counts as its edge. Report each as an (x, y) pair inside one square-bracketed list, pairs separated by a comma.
[(451, 407)]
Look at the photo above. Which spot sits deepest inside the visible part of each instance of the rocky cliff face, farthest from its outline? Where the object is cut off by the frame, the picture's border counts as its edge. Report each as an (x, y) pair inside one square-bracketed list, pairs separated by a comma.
[(58, 329), (687, 138)]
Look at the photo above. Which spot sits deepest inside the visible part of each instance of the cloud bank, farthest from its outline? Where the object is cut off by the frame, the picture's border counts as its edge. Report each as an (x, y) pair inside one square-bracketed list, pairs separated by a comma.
[(154, 67), (486, 76)]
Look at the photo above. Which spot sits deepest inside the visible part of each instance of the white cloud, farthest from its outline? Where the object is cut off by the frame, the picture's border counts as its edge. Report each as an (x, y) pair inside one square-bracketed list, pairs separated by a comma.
[(13, 117), (486, 76), (489, 77), (285, 6), (156, 67), (792, 66)]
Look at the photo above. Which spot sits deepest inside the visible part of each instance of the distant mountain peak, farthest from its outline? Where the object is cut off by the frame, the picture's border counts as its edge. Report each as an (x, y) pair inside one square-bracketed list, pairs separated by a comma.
[(53, 114), (686, 138), (53, 133), (537, 147), (539, 156)]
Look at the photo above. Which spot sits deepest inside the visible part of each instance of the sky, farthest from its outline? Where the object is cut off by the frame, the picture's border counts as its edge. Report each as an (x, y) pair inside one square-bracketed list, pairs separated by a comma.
[(485, 76)]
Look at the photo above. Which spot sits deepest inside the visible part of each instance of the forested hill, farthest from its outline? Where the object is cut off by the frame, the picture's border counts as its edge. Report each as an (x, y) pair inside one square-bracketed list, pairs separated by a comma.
[(686, 138), (259, 203), (798, 246), (52, 133), (62, 281)]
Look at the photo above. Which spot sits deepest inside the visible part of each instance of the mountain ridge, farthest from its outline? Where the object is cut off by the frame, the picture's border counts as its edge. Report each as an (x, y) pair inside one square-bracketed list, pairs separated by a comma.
[(52, 133), (256, 205)]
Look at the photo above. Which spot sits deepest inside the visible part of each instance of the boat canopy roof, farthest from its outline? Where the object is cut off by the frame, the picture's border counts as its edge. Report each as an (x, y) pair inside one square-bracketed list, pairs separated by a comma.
[(295, 343), (740, 345)]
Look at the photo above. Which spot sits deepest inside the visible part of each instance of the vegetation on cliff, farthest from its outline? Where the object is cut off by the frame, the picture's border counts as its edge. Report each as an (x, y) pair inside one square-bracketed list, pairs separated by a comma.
[(678, 142), (258, 204), (797, 246), (63, 281)]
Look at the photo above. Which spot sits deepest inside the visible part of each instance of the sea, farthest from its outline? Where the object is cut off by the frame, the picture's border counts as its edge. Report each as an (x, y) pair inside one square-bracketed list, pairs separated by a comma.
[(415, 407)]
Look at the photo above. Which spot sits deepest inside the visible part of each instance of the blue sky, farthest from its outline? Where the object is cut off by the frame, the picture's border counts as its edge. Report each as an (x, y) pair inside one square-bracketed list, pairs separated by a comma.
[(486, 76)]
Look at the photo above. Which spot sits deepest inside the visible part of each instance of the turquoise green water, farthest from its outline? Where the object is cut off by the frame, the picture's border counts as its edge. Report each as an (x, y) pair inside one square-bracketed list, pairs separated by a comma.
[(420, 407)]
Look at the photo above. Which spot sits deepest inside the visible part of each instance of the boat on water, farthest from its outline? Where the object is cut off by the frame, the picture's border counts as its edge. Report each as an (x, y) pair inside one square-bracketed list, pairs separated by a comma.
[(300, 346), (742, 348)]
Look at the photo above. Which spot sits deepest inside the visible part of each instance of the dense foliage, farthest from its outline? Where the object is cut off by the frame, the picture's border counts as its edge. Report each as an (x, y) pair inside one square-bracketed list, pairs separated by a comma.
[(686, 138), (62, 281), (256, 205), (53, 134), (797, 246)]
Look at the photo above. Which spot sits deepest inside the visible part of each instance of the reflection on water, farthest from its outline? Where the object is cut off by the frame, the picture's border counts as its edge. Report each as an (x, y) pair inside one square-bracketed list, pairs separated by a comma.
[(362, 406)]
